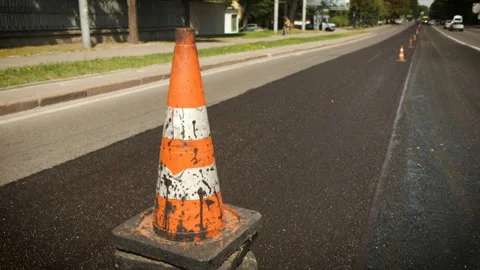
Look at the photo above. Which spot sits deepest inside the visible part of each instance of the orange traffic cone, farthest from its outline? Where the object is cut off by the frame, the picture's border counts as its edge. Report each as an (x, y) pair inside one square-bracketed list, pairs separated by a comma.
[(189, 226), (410, 45), (414, 37), (189, 202), (416, 32), (401, 56)]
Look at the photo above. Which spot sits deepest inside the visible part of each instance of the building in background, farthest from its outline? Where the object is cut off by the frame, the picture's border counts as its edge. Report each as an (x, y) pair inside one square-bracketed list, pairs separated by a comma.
[(210, 19), (42, 22), (232, 21)]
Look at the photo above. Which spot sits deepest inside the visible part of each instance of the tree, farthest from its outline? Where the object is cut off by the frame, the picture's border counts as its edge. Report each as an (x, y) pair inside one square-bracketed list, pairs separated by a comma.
[(423, 9), (384, 9), (367, 12), (261, 10), (448, 8), (132, 21), (293, 10), (413, 5), (398, 8)]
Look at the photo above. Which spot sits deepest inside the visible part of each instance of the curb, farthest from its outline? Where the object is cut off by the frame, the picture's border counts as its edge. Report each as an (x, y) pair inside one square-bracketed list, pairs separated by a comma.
[(50, 98)]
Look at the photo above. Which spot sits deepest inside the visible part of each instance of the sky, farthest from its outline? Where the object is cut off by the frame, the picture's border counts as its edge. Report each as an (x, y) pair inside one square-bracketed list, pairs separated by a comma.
[(425, 2)]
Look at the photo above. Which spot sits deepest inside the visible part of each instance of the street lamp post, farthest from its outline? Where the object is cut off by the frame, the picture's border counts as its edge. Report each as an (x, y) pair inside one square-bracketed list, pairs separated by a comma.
[(304, 14), (84, 23), (275, 17)]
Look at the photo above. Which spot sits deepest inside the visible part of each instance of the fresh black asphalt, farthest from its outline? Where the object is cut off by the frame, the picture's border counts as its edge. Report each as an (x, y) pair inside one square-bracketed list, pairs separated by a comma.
[(306, 151)]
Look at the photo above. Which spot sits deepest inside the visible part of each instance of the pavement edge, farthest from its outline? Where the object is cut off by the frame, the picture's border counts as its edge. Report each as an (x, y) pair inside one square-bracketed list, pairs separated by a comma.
[(28, 103)]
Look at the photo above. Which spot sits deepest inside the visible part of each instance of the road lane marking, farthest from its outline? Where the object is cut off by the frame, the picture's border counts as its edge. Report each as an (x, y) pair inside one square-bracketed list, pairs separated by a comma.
[(456, 40), (375, 206)]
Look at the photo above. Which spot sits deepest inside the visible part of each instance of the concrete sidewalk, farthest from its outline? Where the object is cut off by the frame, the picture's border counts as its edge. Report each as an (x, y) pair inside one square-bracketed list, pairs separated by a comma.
[(25, 97), (143, 49)]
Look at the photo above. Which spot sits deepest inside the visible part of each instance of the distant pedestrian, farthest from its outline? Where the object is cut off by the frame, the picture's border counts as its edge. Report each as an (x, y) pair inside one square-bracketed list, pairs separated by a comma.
[(286, 26)]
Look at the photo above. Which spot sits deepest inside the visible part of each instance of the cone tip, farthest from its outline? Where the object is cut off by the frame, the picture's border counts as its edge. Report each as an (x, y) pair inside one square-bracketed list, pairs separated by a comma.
[(184, 36)]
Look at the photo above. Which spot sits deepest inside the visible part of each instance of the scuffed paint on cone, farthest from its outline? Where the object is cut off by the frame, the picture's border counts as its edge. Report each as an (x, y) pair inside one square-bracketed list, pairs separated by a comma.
[(188, 205)]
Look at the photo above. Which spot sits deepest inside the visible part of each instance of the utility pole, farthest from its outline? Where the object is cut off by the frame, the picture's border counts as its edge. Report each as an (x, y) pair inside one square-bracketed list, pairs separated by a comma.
[(304, 14), (275, 17), (132, 21), (84, 23)]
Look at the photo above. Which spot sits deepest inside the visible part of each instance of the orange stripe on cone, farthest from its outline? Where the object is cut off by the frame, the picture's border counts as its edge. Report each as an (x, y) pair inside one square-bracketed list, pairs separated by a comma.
[(190, 220), (188, 204), (178, 155), (186, 89)]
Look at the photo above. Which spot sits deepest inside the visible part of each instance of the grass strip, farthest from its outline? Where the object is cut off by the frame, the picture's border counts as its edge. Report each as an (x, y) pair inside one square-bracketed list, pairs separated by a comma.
[(45, 72), (62, 48)]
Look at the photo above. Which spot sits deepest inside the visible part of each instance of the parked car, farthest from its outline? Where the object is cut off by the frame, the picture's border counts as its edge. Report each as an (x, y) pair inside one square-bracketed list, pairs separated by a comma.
[(329, 26), (447, 24), (431, 22), (251, 27)]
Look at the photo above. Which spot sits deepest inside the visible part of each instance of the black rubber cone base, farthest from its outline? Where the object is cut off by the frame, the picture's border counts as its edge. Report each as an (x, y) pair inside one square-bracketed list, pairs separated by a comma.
[(128, 261), (137, 236)]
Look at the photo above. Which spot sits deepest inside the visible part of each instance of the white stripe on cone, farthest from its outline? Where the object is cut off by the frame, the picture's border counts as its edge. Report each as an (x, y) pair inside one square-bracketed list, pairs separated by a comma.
[(186, 123), (187, 184)]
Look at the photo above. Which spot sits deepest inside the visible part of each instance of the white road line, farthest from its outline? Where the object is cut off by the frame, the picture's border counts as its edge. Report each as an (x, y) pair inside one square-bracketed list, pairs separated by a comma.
[(375, 209), (154, 86), (458, 41)]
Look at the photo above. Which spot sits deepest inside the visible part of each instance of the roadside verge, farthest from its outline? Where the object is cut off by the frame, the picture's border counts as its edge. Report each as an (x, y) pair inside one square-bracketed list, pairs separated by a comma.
[(26, 97)]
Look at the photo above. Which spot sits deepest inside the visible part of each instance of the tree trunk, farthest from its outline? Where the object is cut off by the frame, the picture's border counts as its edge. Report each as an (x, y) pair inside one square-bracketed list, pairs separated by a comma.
[(245, 15), (132, 21), (293, 11)]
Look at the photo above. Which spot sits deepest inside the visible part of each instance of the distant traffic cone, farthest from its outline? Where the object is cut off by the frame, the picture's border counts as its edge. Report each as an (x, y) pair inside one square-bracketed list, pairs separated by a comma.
[(414, 37), (401, 56), (189, 227), (416, 32), (410, 45)]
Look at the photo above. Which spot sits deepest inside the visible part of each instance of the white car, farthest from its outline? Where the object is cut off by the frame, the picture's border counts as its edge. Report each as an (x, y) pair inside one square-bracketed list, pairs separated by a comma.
[(456, 27), (328, 26), (457, 23), (447, 24)]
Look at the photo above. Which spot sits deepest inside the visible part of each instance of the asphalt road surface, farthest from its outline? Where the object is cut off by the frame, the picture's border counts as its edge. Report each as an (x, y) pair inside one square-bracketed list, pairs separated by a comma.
[(360, 161), (69, 130), (469, 36)]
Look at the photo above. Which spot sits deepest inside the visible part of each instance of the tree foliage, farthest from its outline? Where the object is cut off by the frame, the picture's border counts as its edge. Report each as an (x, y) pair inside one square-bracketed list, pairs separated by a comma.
[(368, 12), (423, 9), (413, 8), (442, 9), (398, 8)]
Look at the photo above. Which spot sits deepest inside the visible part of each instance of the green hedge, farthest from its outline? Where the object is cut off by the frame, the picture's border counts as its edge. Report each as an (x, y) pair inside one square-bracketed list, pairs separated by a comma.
[(340, 21)]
